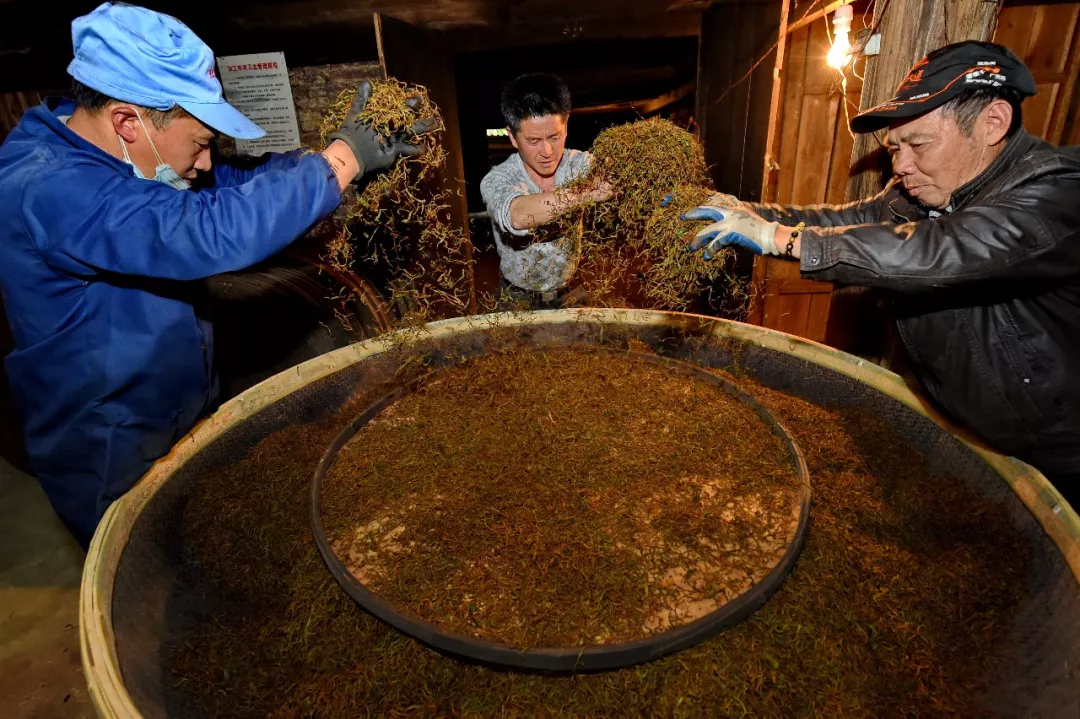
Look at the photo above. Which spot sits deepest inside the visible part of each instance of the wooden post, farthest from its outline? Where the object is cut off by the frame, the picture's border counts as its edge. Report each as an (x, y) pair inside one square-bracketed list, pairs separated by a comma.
[(909, 29), (772, 138), (756, 313)]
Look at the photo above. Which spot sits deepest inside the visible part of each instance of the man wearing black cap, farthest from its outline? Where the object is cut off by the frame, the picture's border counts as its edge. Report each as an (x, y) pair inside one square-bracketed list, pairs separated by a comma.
[(978, 238)]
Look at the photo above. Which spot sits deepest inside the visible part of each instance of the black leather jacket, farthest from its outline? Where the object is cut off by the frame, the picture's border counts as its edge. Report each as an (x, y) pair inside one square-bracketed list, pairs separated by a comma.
[(987, 296)]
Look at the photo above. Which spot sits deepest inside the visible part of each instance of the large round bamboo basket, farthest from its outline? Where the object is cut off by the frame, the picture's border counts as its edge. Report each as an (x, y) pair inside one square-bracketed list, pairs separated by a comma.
[(128, 586)]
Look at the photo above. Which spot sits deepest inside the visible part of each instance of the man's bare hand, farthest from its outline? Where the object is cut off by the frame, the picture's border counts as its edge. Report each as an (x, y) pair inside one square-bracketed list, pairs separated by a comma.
[(600, 191)]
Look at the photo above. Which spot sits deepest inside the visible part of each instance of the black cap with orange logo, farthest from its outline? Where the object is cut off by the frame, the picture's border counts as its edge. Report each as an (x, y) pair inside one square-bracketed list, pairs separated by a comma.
[(944, 74)]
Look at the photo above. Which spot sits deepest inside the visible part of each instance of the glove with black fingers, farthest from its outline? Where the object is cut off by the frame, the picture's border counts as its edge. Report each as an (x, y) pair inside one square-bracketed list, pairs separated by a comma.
[(732, 226), (374, 150)]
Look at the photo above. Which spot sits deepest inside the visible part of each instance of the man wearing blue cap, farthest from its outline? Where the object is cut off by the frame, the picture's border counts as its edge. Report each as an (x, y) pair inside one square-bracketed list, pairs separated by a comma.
[(977, 240), (98, 222)]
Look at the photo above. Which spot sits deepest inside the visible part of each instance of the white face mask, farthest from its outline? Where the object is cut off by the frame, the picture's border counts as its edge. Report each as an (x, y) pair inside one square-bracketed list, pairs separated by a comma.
[(164, 172)]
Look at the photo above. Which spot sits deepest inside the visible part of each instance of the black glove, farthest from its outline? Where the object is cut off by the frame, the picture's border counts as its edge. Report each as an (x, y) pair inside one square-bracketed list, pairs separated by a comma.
[(373, 150)]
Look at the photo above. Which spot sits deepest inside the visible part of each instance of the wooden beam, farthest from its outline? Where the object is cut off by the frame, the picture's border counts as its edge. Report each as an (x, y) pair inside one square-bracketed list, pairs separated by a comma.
[(772, 137), (769, 179), (606, 108), (668, 98), (1068, 87), (644, 106), (807, 19)]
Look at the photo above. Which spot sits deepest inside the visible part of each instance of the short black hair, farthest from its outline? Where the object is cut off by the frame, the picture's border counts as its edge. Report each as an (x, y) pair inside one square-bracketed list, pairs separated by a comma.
[(94, 102), (87, 98), (966, 107), (534, 95)]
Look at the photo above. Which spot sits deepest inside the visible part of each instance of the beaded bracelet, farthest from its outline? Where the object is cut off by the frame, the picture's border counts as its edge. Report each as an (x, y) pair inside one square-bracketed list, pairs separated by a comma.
[(791, 240)]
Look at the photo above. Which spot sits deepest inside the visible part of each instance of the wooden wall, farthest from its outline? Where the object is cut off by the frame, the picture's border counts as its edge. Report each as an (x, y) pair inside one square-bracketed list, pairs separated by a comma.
[(815, 148), (1046, 39), (733, 118)]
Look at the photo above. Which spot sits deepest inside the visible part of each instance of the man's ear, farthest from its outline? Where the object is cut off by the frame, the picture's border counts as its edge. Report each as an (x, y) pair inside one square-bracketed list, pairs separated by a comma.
[(124, 122), (513, 140), (998, 117)]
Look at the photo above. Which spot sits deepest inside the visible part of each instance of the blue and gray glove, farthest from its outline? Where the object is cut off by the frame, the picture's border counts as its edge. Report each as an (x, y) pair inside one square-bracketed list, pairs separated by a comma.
[(732, 226)]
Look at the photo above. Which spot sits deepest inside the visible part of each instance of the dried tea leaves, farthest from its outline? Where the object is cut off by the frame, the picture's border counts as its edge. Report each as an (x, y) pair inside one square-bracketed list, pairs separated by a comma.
[(562, 498), (907, 589), (400, 218), (633, 246)]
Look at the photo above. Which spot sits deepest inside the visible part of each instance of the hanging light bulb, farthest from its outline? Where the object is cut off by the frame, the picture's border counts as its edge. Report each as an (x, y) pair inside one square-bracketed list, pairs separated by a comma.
[(841, 46)]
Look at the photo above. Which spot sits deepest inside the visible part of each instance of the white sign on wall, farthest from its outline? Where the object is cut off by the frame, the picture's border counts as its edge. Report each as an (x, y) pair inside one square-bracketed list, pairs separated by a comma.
[(258, 86)]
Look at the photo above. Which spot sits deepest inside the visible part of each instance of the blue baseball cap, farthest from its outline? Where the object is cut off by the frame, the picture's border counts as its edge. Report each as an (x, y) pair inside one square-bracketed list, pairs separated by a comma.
[(143, 57)]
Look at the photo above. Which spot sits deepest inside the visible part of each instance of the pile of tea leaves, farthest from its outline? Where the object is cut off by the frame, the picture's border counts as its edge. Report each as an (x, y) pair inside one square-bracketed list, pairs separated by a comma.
[(400, 218), (633, 246), (564, 498), (905, 589)]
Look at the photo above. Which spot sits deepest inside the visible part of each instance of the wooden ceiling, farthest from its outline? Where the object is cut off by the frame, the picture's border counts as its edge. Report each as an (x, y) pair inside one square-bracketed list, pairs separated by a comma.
[(35, 40)]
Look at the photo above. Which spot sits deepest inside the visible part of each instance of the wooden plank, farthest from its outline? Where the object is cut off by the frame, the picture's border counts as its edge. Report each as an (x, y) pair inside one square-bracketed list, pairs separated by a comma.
[(840, 169), (741, 47), (1052, 36), (772, 133), (805, 152), (817, 319), (398, 51), (812, 16), (648, 107), (789, 313), (1038, 111), (802, 287), (733, 119), (1047, 39), (534, 29), (792, 119), (1073, 138), (759, 278), (12, 107), (756, 119), (1014, 29), (811, 171), (1068, 87)]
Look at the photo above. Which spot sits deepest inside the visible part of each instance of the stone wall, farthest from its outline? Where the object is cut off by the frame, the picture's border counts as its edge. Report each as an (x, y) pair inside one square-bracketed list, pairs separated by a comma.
[(315, 88)]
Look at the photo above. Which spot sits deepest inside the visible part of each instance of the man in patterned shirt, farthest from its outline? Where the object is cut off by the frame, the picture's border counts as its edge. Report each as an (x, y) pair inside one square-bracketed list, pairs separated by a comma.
[(526, 191)]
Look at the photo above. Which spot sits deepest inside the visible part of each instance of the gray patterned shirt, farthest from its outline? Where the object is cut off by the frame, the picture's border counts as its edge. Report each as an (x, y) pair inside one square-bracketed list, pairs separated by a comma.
[(542, 266)]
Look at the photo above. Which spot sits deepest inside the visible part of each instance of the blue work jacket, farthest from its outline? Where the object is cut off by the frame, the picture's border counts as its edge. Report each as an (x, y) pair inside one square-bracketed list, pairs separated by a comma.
[(111, 365)]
